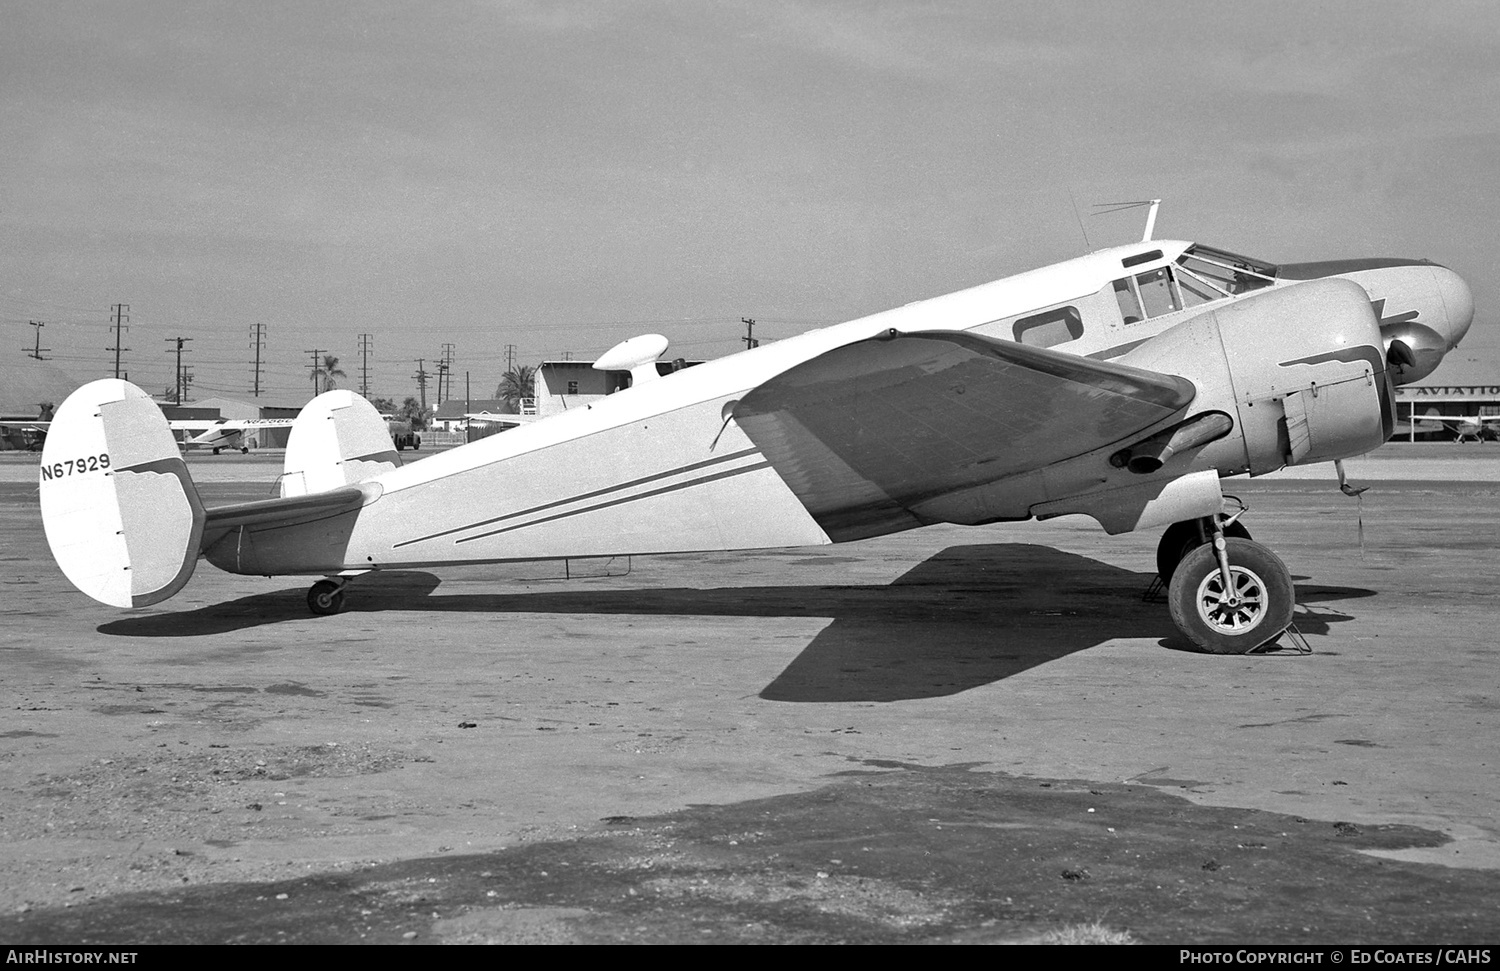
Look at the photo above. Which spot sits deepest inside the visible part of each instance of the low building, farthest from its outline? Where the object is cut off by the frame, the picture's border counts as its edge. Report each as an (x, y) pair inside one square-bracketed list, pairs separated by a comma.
[(1435, 412), (561, 385)]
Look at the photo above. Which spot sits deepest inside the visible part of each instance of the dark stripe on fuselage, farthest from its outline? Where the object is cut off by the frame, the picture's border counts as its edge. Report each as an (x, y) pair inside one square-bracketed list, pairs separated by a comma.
[(1113, 352), (583, 497), (616, 502), (1348, 355), (1316, 271)]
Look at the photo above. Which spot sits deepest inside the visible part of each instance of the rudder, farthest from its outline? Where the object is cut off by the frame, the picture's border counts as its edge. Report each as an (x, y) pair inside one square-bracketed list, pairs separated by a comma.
[(121, 513)]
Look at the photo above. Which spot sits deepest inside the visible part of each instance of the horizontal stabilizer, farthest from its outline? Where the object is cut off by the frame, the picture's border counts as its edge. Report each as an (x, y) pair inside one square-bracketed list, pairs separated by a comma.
[(121, 514), (267, 512)]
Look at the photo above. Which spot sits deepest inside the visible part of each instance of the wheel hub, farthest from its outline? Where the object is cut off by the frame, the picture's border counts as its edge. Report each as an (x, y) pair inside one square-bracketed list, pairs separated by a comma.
[(1234, 610)]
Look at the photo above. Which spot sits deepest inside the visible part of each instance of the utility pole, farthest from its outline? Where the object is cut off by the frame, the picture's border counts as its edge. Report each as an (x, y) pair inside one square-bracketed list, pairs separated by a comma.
[(421, 377), (510, 357), (445, 370), (749, 337), (366, 345), (258, 333), (122, 314), (36, 351), (177, 380), (314, 368)]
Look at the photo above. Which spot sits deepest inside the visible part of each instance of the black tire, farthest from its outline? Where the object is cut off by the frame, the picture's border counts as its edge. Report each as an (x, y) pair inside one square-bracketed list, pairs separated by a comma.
[(1179, 540), (325, 598), (1267, 598), (216, 450), (244, 449)]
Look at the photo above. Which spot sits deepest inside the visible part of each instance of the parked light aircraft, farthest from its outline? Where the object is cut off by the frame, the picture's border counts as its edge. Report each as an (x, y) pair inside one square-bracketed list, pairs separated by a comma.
[(222, 433), (27, 435), (1464, 427), (1121, 385)]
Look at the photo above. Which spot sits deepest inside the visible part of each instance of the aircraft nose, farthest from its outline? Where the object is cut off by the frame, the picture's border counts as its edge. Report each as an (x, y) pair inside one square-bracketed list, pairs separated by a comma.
[(1457, 300)]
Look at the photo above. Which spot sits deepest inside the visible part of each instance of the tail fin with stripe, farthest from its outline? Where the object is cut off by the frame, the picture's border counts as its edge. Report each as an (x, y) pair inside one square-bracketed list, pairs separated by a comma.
[(121, 513)]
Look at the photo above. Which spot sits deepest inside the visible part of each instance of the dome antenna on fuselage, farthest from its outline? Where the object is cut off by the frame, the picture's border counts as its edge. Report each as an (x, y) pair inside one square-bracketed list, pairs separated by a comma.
[(1106, 208)]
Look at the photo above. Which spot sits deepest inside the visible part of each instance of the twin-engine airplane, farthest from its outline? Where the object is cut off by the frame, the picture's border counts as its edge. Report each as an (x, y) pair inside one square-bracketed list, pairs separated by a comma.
[(1121, 385)]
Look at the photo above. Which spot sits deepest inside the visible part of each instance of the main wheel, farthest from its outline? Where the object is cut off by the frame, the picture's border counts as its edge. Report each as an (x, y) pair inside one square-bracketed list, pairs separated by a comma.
[(1253, 611), (325, 598), (1179, 540)]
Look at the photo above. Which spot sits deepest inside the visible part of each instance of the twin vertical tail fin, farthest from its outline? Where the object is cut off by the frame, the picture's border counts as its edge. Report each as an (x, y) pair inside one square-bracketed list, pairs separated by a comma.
[(122, 515), (338, 439)]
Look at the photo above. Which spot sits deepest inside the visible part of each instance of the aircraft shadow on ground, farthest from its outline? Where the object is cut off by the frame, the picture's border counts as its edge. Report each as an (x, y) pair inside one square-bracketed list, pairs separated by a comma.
[(967, 616)]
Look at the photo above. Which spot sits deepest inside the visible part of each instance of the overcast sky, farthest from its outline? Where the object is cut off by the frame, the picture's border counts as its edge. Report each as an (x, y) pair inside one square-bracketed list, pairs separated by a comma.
[(560, 176)]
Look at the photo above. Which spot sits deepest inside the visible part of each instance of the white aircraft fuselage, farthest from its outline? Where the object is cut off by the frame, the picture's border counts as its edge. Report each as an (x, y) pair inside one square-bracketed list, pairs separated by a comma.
[(656, 468)]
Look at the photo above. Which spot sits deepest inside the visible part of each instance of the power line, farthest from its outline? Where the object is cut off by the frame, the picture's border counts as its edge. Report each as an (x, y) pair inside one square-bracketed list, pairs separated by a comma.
[(178, 380), (258, 331), (421, 377), (121, 312), (316, 372), (37, 350), (445, 368), (366, 345)]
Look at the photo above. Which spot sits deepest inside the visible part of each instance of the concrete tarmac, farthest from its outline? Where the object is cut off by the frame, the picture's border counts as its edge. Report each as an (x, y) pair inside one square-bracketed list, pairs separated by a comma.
[(952, 734)]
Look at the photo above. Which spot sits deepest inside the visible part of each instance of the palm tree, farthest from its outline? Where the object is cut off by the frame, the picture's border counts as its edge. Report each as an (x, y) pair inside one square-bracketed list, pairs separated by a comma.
[(323, 377), (516, 384), (412, 413)]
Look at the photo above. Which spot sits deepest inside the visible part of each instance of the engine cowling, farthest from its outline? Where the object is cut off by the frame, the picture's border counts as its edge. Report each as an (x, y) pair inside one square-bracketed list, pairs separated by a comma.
[(1301, 370)]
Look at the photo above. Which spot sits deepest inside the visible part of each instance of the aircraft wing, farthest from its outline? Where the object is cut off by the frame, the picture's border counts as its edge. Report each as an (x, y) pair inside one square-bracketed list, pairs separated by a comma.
[(863, 432)]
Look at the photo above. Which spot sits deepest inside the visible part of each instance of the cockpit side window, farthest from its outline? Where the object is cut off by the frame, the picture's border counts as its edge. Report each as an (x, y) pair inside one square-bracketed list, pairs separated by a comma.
[(1157, 293), (1050, 327)]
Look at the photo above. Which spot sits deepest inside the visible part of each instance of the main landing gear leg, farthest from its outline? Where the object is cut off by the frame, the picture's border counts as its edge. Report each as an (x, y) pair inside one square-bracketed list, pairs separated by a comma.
[(1230, 595), (327, 596)]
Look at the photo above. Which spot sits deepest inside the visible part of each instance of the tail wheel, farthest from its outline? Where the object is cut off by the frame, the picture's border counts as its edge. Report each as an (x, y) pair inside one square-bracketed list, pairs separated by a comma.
[(1179, 540), (1254, 609), (325, 598)]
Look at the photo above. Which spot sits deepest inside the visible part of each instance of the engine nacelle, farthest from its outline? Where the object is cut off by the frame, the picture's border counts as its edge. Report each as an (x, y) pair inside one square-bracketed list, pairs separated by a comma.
[(1301, 369)]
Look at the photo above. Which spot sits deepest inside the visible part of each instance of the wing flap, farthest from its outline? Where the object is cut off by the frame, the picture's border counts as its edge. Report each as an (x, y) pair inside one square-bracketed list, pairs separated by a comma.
[(867, 431)]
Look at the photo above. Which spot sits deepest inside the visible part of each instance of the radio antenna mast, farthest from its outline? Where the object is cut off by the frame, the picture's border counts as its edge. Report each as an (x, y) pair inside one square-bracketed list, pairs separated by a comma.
[(1155, 204)]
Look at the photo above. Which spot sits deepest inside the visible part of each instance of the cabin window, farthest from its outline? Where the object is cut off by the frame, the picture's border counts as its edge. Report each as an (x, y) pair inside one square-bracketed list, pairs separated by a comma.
[(1050, 327), (1130, 301)]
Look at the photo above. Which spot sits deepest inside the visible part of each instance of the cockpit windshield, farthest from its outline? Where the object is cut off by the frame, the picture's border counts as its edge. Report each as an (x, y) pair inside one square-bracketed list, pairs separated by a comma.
[(1208, 274)]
